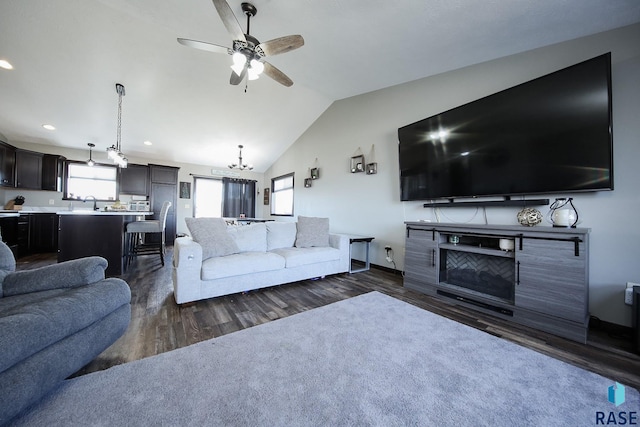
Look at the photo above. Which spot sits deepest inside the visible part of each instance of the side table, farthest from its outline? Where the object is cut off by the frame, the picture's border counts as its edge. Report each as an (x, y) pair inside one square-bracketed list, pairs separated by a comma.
[(359, 239)]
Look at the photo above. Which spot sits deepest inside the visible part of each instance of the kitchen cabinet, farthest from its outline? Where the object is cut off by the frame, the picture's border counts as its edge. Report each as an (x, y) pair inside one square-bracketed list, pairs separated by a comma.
[(164, 174), (52, 172), (28, 169), (43, 232), (7, 165), (164, 186), (23, 237), (9, 232), (134, 180)]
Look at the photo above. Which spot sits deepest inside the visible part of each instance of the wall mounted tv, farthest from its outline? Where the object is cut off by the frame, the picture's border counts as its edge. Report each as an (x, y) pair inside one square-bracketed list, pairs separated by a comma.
[(549, 135)]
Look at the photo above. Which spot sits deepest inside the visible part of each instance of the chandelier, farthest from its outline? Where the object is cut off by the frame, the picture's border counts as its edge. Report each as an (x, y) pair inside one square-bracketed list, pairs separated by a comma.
[(114, 152), (241, 166)]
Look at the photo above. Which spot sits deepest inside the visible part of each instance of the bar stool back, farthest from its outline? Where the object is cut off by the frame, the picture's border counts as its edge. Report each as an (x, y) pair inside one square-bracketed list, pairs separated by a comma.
[(135, 236)]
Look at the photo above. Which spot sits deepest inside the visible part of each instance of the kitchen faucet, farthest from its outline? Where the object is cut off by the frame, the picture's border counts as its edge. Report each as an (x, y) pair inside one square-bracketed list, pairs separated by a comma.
[(95, 206)]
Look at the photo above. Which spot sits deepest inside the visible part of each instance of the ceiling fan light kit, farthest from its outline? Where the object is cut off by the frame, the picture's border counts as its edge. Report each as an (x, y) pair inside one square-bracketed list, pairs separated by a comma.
[(247, 52)]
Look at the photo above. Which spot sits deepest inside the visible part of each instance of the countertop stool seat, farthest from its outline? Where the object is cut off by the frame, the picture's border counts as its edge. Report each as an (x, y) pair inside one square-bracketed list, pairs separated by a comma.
[(136, 240)]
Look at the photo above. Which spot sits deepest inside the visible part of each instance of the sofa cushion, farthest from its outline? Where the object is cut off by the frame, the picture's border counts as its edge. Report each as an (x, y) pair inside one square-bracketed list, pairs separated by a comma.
[(249, 238), (239, 264), (295, 257), (312, 231), (212, 235), (281, 234)]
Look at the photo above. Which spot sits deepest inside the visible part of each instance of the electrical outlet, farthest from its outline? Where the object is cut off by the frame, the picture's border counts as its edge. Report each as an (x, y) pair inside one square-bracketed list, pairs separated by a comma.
[(628, 296), (51, 201), (389, 256)]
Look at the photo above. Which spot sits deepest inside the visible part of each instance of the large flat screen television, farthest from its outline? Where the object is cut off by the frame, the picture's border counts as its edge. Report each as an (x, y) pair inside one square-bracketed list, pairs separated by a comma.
[(549, 135)]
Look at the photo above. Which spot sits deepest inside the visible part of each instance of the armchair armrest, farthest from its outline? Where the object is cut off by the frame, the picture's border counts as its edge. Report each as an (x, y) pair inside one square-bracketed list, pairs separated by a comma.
[(67, 274)]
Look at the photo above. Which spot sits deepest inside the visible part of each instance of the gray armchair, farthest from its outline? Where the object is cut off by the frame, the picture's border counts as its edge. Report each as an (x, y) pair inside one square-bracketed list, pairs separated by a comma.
[(53, 321)]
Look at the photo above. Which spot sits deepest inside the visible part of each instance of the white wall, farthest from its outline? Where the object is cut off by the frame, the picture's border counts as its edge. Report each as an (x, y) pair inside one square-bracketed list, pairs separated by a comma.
[(184, 206), (369, 204)]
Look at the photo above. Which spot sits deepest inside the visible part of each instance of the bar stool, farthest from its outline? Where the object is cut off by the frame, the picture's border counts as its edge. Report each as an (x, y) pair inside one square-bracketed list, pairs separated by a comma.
[(136, 232)]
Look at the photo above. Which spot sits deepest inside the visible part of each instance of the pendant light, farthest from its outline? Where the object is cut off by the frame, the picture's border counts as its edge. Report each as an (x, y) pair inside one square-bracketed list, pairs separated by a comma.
[(115, 151), (90, 162)]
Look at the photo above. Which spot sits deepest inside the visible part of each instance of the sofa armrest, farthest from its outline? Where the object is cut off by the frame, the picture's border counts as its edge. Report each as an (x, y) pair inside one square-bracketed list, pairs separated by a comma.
[(187, 253), (341, 242), (67, 274)]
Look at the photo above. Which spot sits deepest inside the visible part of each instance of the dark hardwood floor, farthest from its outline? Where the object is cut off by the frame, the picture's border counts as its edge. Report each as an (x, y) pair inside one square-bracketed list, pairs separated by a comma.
[(158, 324)]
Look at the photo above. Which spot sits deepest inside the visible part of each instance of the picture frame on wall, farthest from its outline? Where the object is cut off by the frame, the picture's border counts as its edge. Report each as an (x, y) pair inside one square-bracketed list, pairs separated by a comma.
[(315, 173), (357, 164), (185, 190), (307, 182), (265, 197)]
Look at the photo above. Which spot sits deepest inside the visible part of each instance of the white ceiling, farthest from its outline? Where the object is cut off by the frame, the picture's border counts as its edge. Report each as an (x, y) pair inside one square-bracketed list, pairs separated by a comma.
[(68, 55)]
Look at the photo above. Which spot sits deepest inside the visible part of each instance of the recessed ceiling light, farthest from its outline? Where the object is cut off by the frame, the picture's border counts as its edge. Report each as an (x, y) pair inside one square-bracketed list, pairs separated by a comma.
[(49, 127), (148, 143), (5, 64)]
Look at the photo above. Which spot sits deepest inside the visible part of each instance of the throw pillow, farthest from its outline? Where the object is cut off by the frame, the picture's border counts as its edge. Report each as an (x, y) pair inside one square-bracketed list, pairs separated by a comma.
[(312, 231), (250, 238), (212, 235), (280, 234)]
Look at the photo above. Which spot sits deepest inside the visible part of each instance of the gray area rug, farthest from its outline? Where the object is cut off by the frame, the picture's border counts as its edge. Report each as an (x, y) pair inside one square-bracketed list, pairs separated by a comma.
[(368, 360)]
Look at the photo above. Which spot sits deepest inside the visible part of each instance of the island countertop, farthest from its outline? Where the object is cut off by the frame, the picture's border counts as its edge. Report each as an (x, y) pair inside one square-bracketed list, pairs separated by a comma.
[(98, 213)]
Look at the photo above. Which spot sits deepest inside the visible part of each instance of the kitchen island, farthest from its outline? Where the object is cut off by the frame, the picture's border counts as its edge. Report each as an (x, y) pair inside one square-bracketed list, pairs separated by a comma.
[(83, 233)]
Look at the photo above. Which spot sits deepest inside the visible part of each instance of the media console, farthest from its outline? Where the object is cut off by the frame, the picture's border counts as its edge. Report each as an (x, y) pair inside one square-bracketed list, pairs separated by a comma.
[(534, 276)]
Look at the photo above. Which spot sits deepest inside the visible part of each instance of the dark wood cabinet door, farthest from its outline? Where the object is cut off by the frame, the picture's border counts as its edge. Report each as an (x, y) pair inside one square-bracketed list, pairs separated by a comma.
[(164, 174), (9, 232), (159, 194), (134, 180), (28, 169), (52, 170), (7, 165), (44, 233)]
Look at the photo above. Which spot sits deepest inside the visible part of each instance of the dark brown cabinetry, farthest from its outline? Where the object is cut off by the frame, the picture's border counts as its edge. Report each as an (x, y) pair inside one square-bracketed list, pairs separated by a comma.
[(134, 180), (540, 280), (28, 169), (52, 172), (36, 233), (164, 187), (7, 165), (43, 233), (9, 232)]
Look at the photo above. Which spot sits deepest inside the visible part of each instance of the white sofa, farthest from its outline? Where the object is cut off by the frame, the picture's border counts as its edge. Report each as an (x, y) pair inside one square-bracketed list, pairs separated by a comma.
[(220, 259)]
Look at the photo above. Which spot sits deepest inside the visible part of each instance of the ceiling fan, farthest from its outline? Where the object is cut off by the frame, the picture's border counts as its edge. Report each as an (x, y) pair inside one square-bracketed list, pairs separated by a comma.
[(247, 52)]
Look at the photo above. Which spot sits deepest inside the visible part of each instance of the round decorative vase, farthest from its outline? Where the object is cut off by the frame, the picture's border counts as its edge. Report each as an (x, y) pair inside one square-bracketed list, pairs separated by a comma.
[(529, 217)]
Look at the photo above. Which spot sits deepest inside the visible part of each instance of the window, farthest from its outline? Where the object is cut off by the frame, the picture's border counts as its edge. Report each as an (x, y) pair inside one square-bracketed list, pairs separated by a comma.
[(207, 197), (83, 180), (282, 195)]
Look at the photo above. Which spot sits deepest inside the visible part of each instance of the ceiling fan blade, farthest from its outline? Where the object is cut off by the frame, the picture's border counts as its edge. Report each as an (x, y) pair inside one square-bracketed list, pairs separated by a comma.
[(277, 75), (229, 20), (204, 46), (237, 79), (280, 45)]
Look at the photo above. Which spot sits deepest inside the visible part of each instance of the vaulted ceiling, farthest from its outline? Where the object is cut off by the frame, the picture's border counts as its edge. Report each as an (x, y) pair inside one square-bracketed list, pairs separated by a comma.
[(69, 54)]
